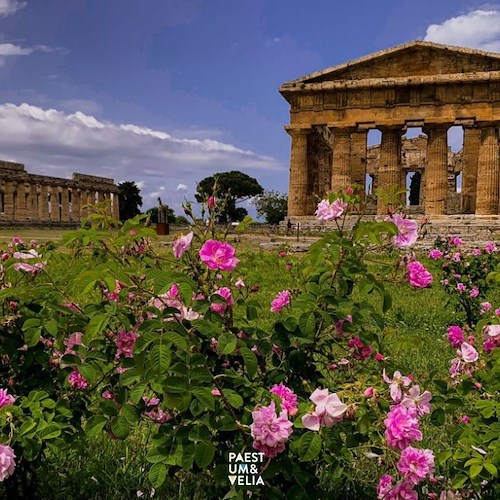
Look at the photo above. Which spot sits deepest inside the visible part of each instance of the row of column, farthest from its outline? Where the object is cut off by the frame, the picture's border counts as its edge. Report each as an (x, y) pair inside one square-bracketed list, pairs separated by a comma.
[(20, 201), (481, 167)]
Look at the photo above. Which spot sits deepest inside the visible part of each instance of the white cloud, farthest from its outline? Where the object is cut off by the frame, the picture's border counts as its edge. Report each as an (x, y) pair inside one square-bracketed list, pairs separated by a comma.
[(57, 143), (479, 29), (140, 184), (8, 7)]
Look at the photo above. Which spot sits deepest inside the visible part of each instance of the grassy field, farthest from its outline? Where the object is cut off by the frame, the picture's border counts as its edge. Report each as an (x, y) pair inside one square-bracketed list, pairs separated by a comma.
[(414, 336)]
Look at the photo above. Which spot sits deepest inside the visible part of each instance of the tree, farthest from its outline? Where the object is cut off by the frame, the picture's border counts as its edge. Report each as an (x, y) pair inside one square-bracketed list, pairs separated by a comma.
[(130, 200), (272, 205), (235, 186), (171, 218)]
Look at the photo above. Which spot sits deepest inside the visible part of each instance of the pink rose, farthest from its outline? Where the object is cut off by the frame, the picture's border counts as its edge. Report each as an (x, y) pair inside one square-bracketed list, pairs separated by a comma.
[(330, 211), (218, 255), (418, 276), (181, 244), (281, 301), (7, 462), (407, 231), (468, 353), (328, 410)]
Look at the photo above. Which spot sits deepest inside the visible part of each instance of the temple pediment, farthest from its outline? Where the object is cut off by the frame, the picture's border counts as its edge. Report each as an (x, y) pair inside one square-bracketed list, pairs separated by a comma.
[(416, 58)]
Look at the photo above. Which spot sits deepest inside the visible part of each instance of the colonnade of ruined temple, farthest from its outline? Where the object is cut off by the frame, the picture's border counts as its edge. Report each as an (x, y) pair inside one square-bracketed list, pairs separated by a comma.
[(419, 84), (34, 198)]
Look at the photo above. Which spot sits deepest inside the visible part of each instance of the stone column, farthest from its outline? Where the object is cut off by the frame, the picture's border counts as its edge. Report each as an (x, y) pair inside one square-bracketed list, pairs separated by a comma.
[(389, 172), (324, 171), (9, 201), (65, 204), (341, 162), (44, 203), (21, 202), (358, 159), (469, 169), (75, 204), (100, 196), (54, 204), (488, 174), (32, 213), (436, 177), (116, 206), (297, 188)]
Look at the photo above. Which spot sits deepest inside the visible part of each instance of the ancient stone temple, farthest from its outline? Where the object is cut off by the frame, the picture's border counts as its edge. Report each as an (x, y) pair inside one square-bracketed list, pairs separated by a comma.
[(38, 199), (417, 84)]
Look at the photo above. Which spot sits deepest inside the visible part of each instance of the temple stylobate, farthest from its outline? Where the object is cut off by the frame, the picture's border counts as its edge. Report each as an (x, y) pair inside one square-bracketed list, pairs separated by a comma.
[(418, 84)]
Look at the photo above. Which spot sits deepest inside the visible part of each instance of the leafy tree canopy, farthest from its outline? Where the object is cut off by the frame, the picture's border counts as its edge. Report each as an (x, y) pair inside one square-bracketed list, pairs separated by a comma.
[(272, 205), (234, 186), (130, 200)]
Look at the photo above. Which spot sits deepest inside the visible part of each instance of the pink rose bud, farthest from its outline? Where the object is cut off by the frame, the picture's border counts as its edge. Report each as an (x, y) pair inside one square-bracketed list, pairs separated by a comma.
[(379, 357), (5, 256), (13, 304), (332, 367), (288, 267), (471, 339), (211, 202), (349, 190), (368, 392), (465, 419), (477, 385), (132, 233), (215, 392)]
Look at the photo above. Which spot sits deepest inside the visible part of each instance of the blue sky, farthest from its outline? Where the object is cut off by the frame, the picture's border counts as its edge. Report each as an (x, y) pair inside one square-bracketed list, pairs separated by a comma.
[(166, 92)]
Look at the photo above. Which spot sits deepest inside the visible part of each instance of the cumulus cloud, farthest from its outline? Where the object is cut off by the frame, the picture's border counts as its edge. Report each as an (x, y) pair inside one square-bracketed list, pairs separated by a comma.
[(57, 143), (479, 29), (8, 7), (181, 187)]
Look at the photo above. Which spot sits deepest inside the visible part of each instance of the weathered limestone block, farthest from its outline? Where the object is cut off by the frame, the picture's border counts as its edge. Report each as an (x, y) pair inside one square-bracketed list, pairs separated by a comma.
[(389, 173), (469, 172), (488, 175), (297, 199), (436, 183), (341, 162), (115, 205), (358, 159), (65, 204)]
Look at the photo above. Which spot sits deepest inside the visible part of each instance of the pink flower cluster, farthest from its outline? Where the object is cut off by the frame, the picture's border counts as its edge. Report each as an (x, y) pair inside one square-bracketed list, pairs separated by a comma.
[(407, 231), (281, 301), (221, 307), (328, 410), (6, 398), (288, 398), (77, 380), (402, 427), (418, 276), (29, 268), (491, 337), (359, 350), (154, 412), (330, 211), (125, 342), (455, 336), (172, 299), (269, 430), (218, 255), (7, 462)]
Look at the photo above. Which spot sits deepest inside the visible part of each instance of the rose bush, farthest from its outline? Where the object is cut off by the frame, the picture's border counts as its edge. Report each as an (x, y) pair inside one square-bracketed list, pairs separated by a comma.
[(143, 338)]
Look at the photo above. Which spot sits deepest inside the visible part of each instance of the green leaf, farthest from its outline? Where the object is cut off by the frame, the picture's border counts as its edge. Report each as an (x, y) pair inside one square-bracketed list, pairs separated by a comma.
[(137, 392), (227, 343), (204, 454), (120, 427), (177, 339), (32, 337), (309, 446), (157, 474), (250, 361), (50, 432), (96, 325), (475, 470), (307, 324), (204, 396), (387, 304), (444, 456), (159, 358), (51, 327), (438, 416), (95, 425), (234, 399), (491, 469), (31, 323)]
